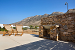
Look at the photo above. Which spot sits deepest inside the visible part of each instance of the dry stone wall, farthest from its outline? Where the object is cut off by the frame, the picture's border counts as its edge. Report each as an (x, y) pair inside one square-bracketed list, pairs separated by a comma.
[(66, 24)]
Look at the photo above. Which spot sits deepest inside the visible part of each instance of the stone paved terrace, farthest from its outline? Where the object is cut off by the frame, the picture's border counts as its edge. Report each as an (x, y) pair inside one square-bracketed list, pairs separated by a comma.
[(32, 42)]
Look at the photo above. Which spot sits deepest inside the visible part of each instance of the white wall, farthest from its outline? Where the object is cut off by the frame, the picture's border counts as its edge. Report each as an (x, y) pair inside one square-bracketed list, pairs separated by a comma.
[(26, 26), (13, 26), (23, 26), (1, 25)]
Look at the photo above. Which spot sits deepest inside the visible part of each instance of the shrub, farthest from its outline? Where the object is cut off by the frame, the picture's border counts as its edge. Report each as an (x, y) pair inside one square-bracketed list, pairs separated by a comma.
[(31, 27), (0, 28), (3, 28), (14, 27), (25, 28), (36, 27)]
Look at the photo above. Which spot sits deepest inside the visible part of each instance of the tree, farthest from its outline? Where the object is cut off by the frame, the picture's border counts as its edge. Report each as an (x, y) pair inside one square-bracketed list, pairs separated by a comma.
[(36, 27), (31, 26)]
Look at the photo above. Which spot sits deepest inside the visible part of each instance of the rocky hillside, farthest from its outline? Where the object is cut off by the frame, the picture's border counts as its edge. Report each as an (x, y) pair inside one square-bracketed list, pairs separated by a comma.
[(71, 11), (35, 20)]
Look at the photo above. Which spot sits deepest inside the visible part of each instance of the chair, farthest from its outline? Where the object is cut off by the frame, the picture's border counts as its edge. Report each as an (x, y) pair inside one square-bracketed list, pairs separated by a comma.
[(8, 29), (19, 28)]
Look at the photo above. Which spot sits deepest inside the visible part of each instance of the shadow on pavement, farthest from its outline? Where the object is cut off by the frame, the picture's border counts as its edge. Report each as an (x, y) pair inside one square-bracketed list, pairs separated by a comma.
[(34, 35), (45, 45)]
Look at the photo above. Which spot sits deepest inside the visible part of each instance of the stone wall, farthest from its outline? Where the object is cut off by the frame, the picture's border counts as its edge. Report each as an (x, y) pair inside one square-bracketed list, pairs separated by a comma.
[(66, 24)]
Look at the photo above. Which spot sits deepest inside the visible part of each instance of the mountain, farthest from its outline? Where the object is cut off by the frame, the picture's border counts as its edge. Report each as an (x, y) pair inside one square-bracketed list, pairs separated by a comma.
[(71, 11), (35, 20), (57, 13)]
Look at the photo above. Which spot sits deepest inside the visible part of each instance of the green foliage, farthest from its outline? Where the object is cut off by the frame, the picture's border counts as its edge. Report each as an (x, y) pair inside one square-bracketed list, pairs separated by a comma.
[(3, 28), (14, 27), (0, 28), (31, 27), (36, 27), (25, 28)]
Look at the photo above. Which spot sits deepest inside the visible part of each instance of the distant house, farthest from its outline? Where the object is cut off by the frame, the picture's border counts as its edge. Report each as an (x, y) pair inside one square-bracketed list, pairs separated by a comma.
[(23, 26), (1, 25), (26, 26), (13, 26)]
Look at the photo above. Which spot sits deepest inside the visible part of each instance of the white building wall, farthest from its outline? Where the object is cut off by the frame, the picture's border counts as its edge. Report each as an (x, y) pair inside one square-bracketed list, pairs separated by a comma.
[(1, 25), (13, 26), (26, 26)]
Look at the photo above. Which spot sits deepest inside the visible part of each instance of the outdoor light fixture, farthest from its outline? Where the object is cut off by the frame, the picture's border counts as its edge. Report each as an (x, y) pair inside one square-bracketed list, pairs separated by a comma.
[(67, 5)]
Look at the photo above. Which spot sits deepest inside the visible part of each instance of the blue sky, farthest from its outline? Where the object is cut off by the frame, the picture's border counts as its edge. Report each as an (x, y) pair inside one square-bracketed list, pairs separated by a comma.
[(16, 10)]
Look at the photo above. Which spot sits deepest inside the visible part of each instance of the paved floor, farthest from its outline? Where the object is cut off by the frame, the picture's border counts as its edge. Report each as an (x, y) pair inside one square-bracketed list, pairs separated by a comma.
[(32, 42)]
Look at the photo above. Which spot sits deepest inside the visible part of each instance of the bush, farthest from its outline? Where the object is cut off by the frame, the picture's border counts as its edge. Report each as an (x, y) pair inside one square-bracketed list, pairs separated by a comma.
[(25, 28), (0, 28), (14, 27), (3, 28), (31, 27), (36, 27)]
